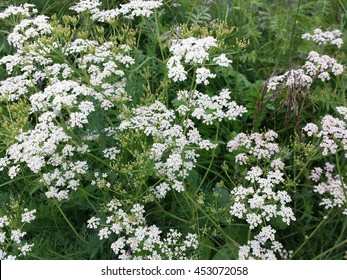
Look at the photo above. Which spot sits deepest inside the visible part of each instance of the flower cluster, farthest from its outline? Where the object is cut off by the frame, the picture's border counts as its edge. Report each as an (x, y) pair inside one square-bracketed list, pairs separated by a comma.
[(85, 5), (209, 109), (136, 240), (332, 187), (174, 147), (134, 8), (259, 145), (193, 51), (325, 37), (29, 29), (333, 132), (48, 147), (316, 65), (264, 247), (24, 10), (260, 199), (12, 244), (293, 79)]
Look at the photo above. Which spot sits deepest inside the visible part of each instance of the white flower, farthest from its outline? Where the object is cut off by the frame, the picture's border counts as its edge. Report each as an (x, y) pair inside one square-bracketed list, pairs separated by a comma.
[(325, 37), (161, 190), (13, 171), (130, 10), (25, 10), (202, 75), (310, 129), (296, 79), (263, 247), (28, 29), (93, 222), (2, 237), (118, 245), (4, 221), (277, 164), (137, 8), (25, 249), (176, 70), (253, 220), (329, 185), (222, 60), (111, 153), (85, 5), (28, 216), (16, 235), (104, 233), (190, 51)]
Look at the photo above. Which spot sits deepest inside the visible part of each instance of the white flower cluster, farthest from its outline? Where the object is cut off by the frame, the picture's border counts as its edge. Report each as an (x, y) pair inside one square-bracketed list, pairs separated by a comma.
[(316, 65), (325, 37), (332, 187), (24, 10), (136, 240), (222, 60), (333, 132), (209, 109), (29, 29), (33, 146), (293, 79), (101, 180), (193, 51), (39, 148), (55, 95), (12, 244), (174, 147), (202, 75), (85, 5), (27, 61), (310, 129), (28, 216), (260, 201), (135, 8), (264, 247), (14, 87), (259, 145)]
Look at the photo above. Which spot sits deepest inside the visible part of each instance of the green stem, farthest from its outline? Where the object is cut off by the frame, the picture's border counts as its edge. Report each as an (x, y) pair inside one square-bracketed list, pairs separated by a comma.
[(170, 214), (309, 237), (293, 31), (226, 236), (158, 35), (343, 6), (331, 249), (209, 166), (68, 222), (340, 174)]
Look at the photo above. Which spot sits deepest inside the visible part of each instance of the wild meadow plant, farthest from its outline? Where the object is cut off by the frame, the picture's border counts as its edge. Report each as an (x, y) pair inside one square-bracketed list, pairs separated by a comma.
[(126, 139)]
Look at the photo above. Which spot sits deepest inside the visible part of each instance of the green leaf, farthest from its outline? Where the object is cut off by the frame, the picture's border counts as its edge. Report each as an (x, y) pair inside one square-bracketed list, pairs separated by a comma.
[(238, 232), (205, 248), (223, 196)]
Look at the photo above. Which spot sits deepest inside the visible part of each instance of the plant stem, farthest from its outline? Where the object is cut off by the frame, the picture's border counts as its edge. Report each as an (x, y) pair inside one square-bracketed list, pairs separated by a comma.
[(209, 166), (68, 222), (331, 249), (226, 236), (293, 31), (309, 237)]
